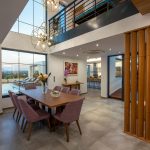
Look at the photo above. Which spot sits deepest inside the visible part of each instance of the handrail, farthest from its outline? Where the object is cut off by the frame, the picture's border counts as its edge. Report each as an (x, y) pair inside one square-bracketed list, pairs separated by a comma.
[(69, 17)]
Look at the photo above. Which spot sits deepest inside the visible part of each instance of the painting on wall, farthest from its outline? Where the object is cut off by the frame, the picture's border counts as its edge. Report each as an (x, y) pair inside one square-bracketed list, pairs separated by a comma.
[(71, 68)]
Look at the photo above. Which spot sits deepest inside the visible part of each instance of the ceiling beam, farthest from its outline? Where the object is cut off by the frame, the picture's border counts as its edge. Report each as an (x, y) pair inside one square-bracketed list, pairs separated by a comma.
[(142, 5)]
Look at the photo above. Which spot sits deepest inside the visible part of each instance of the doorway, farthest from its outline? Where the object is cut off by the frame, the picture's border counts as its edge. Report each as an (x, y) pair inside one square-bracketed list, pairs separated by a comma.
[(115, 76)]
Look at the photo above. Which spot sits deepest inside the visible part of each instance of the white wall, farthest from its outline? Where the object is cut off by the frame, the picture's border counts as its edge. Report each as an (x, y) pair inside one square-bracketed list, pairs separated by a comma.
[(56, 67), (104, 76), (18, 41)]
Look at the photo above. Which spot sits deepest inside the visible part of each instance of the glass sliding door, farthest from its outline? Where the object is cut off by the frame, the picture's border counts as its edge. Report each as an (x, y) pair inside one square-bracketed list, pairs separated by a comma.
[(115, 76), (20, 68)]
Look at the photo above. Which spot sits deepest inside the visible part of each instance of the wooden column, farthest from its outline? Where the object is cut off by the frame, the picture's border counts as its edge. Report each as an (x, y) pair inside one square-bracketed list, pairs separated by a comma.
[(127, 84), (148, 85), (133, 81), (141, 81)]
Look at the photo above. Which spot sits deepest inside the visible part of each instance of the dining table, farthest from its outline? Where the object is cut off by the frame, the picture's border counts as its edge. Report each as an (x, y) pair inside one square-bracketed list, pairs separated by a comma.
[(46, 99)]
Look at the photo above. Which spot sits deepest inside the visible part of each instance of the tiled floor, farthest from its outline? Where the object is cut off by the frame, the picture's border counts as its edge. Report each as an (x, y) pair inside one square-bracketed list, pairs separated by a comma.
[(101, 122)]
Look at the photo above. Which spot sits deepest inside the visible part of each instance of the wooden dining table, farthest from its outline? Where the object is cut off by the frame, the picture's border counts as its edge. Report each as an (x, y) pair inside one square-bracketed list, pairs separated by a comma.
[(48, 100)]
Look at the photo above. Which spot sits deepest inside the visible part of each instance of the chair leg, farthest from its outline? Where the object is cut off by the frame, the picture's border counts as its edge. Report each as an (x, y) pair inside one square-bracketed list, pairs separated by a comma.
[(78, 126), (17, 117), (67, 132), (49, 125), (30, 130), (14, 112), (24, 128), (22, 123)]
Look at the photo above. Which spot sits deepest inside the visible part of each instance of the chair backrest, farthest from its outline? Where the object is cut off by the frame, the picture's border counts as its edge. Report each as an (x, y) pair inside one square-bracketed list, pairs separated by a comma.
[(15, 98), (30, 86), (72, 111), (75, 92), (57, 88), (27, 111), (65, 90), (10, 94)]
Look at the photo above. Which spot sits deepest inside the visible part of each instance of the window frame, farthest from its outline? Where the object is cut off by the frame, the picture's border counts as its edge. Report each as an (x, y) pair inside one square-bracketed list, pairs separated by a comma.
[(24, 51)]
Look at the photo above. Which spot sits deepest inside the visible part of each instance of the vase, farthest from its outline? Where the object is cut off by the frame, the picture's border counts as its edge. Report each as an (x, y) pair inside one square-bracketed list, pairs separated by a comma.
[(44, 87)]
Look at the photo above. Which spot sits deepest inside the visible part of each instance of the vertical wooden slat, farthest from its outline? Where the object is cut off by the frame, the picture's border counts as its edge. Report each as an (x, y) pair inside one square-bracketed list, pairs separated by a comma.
[(148, 85), (127, 84), (133, 81), (141, 78)]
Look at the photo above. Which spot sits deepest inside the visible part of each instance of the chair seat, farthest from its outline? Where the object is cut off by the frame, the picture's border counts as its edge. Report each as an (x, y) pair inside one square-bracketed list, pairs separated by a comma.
[(42, 115), (23, 97)]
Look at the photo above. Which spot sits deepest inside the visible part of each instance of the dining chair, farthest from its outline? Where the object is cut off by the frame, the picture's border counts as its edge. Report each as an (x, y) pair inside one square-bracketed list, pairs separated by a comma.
[(65, 90), (57, 88), (75, 92), (14, 103), (29, 87), (19, 112), (32, 116), (70, 114)]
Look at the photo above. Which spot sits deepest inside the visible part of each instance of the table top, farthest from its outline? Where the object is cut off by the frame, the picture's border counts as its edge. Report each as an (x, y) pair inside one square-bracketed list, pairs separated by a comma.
[(74, 83), (48, 100)]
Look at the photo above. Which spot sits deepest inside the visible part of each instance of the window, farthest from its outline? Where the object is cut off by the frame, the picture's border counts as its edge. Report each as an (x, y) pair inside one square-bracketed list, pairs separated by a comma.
[(22, 68), (33, 15)]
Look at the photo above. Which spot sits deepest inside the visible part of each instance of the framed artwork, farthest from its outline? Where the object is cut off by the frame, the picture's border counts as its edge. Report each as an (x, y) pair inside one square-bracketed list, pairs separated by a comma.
[(71, 68)]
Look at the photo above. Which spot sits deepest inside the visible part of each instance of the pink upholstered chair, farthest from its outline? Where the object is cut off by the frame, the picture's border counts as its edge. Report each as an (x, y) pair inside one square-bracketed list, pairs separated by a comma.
[(29, 87), (14, 103), (65, 90), (75, 92), (70, 114), (15, 98), (32, 116), (57, 88)]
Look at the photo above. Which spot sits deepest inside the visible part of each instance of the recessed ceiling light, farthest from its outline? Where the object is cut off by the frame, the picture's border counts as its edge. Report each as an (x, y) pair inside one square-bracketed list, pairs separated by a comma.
[(97, 45), (110, 49), (119, 52), (63, 53), (77, 55)]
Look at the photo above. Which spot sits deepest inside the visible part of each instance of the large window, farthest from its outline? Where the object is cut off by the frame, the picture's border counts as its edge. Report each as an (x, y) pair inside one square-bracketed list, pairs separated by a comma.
[(32, 16), (23, 68)]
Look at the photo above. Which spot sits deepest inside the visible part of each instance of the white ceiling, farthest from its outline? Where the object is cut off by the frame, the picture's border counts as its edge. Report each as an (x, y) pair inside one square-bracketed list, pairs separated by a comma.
[(9, 12), (108, 46)]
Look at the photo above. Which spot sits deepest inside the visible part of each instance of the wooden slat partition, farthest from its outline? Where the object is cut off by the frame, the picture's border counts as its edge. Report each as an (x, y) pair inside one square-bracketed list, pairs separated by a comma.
[(148, 85), (127, 83), (141, 78), (137, 83), (133, 81)]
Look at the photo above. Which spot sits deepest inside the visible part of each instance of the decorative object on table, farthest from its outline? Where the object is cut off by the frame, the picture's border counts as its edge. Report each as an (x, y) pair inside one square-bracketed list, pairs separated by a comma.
[(55, 93), (66, 73), (43, 78), (72, 68)]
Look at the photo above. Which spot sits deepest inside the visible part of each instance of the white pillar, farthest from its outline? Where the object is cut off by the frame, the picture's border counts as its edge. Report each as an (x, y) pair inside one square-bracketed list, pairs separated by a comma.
[(1, 110), (104, 74)]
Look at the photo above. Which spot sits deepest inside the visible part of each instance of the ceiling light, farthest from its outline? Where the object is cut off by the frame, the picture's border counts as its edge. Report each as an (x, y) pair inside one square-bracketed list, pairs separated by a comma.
[(63, 53), (119, 52), (77, 55), (97, 45), (110, 49), (94, 59)]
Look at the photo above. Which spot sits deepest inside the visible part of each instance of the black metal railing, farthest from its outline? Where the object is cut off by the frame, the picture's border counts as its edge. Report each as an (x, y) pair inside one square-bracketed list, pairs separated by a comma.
[(78, 12)]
